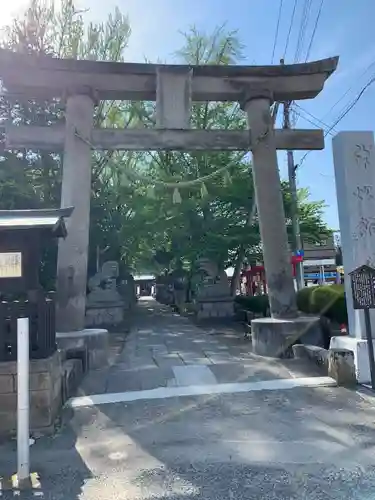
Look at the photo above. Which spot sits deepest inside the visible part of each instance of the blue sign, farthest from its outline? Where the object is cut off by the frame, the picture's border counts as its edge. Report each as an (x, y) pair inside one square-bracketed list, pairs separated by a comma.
[(299, 253), (317, 276)]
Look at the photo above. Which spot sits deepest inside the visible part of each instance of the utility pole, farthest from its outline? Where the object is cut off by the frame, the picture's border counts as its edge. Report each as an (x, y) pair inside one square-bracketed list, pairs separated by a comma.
[(296, 239)]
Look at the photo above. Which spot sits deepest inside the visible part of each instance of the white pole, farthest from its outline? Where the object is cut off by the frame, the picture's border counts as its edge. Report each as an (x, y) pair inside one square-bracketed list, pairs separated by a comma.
[(323, 275), (23, 452)]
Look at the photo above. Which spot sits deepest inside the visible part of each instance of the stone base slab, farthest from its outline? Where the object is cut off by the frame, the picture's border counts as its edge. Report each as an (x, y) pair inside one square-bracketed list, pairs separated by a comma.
[(359, 348), (214, 309), (104, 316), (275, 337), (94, 341), (45, 394)]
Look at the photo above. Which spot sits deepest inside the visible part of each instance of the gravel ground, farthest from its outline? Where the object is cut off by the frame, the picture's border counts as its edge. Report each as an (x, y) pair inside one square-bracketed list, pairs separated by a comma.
[(302, 443), (296, 444)]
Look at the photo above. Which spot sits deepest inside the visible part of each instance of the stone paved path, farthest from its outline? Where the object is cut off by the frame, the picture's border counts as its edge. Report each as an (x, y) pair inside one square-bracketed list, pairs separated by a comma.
[(306, 443), (167, 350)]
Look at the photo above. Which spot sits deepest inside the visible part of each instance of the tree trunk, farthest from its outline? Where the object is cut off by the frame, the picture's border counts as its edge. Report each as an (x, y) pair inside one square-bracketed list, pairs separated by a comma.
[(235, 283)]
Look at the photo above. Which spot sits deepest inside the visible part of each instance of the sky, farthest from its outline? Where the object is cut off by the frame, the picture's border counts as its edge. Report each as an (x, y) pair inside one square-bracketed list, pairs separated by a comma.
[(345, 29)]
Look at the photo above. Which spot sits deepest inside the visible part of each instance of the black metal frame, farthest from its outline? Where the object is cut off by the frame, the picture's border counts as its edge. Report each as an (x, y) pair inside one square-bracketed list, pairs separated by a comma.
[(42, 328)]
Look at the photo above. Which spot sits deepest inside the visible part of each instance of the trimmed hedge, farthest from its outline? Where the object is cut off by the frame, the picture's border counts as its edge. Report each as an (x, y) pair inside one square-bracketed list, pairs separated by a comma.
[(323, 300), (304, 299)]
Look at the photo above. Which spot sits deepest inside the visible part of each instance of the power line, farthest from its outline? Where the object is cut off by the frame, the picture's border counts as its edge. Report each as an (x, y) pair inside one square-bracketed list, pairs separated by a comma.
[(277, 30), (304, 117), (294, 114), (300, 40), (354, 102), (311, 121), (302, 30), (350, 88), (314, 30), (290, 28), (306, 10), (318, 120), (342, 115)]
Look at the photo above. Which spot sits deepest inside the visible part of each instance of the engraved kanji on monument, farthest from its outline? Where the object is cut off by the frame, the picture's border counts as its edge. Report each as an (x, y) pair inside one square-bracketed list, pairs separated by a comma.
[(354, 162)]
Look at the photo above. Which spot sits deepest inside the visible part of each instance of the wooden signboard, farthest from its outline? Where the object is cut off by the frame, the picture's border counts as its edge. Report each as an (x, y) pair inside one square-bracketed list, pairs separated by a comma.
[(10, 265), (362, 280)]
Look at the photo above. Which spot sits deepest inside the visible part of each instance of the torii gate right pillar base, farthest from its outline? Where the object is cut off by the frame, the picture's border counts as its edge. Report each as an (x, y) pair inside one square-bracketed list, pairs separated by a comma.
[(275, 337)]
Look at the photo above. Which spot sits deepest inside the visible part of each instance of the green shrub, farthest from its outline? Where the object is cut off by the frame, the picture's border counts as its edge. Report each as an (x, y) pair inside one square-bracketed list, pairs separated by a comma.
[(304, 299), (339, 310), (259, 304), (327, 301)]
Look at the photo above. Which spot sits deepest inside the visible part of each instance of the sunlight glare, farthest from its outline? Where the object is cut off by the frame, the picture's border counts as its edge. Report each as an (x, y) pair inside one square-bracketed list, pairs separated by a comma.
[(8, 10)]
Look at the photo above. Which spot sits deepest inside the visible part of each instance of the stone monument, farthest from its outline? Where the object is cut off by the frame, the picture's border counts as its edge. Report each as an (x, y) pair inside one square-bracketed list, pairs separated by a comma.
[(104, 304), (212, 296), (354, 162), (126, 289)]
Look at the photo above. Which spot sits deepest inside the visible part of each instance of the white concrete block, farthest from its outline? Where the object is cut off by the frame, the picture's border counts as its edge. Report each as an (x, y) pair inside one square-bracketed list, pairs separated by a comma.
[(359, 348)]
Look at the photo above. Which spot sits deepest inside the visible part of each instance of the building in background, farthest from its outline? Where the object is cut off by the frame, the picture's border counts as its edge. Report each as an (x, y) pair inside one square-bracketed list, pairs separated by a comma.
[(320, 261), (144, 284)]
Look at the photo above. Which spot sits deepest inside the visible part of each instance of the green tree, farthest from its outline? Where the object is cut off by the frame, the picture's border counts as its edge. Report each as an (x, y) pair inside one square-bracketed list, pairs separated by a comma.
[(215, 218), (32, 179)]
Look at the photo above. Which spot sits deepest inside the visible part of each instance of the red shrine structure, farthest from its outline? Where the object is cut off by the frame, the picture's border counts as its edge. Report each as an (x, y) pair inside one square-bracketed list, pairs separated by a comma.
[(255, 277)]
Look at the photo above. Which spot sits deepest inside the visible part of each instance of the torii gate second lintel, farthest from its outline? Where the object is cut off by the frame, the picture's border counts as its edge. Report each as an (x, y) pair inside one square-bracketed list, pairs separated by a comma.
[(174, 88)]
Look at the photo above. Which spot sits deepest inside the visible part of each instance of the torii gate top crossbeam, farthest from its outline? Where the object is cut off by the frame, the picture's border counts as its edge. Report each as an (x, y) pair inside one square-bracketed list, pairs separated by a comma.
[(46, 77)]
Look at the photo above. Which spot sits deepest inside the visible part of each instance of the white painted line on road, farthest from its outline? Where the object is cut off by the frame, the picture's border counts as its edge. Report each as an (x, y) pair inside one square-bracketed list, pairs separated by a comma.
[(192, 375), (200, 390)]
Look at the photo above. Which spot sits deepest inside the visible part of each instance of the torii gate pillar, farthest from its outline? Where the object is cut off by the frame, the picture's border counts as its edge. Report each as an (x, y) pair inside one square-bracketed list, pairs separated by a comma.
[(274, 336), (76, 192), (270, 206)]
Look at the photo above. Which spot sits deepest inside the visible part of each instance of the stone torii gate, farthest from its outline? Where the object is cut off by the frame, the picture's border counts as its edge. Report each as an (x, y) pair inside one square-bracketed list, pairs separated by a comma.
[(83, 83)]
